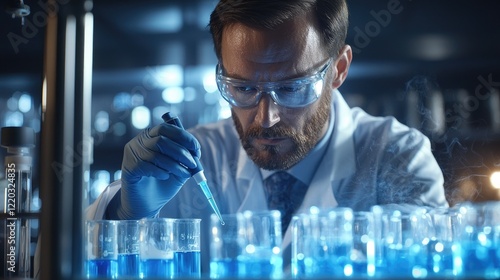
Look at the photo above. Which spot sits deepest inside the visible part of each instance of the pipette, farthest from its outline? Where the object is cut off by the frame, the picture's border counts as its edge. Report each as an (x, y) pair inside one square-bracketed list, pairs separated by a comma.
[(196, 173)]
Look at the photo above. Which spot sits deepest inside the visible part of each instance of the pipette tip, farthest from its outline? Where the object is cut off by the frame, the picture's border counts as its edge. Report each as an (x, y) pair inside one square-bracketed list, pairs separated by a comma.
[(216, 210)]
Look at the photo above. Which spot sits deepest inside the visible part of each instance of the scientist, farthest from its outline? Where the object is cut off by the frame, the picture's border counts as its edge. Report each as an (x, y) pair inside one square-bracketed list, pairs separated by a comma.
[(292, 141)]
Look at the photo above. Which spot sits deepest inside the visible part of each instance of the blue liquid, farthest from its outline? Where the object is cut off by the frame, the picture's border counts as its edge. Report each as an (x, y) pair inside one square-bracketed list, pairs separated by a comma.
[(440, 259), (128, 265), (325, 263), (227, 268), (405, 262), (102, 268), (261, 268), (480, 261), (360, 269), (398, 262), (157, 268), (188, 264), (182, 265)]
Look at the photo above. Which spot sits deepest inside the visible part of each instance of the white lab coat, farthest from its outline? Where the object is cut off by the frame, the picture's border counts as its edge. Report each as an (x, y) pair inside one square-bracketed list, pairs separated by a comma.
[(369, 160)]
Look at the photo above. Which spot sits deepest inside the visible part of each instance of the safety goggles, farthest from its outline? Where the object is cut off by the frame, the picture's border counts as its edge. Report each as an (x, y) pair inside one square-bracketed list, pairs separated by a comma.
[(292, 93)]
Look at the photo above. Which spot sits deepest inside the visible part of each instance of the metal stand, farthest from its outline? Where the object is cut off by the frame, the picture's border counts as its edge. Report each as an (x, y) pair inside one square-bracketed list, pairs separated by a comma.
[(65, 138)]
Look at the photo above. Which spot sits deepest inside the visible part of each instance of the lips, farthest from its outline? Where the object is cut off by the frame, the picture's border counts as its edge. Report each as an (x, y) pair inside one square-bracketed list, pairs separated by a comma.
[(270, 141)]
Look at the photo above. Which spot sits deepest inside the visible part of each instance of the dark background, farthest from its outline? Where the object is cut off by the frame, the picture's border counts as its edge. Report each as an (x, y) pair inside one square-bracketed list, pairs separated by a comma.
[(432, 64)]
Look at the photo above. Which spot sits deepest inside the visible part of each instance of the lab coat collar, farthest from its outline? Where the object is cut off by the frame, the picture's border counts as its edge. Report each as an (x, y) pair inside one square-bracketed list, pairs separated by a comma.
[(342, 151)]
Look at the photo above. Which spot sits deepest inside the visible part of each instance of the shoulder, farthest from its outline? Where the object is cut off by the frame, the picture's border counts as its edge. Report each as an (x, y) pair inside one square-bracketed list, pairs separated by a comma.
[(386, 136), (384, 129)]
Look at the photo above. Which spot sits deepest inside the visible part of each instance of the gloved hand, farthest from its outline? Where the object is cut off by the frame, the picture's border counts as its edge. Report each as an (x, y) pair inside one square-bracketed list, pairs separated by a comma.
[(154, 169)]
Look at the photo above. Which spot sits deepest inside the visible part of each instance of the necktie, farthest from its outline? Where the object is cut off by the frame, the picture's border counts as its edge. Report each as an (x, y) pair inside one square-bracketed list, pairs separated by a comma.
[(284, 193)]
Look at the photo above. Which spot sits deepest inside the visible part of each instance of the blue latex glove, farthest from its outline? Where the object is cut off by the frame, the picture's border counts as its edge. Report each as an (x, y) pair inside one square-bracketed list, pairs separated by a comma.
[(153, 171)]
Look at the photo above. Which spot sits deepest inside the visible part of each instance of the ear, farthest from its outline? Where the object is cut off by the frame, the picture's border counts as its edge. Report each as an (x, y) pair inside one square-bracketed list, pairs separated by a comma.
[(342, 65)]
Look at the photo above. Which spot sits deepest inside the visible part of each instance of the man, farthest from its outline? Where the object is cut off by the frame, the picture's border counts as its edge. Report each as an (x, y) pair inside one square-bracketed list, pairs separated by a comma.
[(280, 65)]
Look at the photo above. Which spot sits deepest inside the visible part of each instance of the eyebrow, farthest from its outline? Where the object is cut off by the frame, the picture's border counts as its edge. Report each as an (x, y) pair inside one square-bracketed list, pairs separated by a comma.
[(308, 73)]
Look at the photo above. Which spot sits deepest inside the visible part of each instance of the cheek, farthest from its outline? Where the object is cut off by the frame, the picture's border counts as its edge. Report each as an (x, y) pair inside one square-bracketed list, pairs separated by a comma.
[(244, 117), (297, 118)]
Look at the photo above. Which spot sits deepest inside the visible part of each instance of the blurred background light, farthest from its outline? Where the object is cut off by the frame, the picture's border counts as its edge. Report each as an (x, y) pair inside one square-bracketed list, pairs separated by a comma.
[(12, 103), (117, 174), (137, 100), (189, 94), (209, 83), (14, 118), (101, 123), (173, 95), (212, 97), (225, 109), (119, 129), (495, 179), (122, 101), (168, 76), (141, 117), (25, 102), (432, 47), (164, 20), (100, 182)]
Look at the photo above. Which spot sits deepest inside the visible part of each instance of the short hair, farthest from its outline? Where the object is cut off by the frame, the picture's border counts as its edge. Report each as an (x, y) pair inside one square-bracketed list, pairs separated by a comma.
[(331, 15)]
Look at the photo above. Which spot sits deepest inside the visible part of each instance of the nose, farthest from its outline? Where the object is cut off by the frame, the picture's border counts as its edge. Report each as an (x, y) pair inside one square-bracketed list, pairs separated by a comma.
[(267, 112)]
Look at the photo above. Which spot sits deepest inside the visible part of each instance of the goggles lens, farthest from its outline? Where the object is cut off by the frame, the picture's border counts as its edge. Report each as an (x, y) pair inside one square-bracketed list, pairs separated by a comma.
[(293, 93)]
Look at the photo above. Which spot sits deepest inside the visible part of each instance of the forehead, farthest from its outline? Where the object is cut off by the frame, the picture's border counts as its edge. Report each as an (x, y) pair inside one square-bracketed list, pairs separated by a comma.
[(290, 49)]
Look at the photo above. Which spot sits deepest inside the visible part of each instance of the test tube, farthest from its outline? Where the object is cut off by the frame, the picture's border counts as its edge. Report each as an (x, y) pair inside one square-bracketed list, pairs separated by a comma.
[(196, 173)]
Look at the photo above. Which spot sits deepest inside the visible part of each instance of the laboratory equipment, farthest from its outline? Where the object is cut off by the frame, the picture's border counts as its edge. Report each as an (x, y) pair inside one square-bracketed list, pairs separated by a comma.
[(197, 172)]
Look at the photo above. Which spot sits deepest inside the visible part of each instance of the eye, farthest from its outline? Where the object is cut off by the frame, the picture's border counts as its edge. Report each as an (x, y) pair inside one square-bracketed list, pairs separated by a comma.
[(245, 89), (291, 88)]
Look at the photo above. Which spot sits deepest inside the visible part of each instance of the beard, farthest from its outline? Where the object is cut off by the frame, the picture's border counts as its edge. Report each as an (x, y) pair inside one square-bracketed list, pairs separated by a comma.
[(272, 157)]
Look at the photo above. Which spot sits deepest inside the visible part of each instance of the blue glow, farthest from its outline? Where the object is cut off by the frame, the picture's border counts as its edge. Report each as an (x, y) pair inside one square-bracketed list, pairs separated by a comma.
[(141, 117), (14, 119), (101, 122), (119, 129), (137, 100), (189, 94), (24, 103), (36, 203), (122, 101), (225, 110), (117, 175), (161, 20), (168, 76), (173, 95), (101, 180), (209, 83), (12, 103), (212, 98)]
